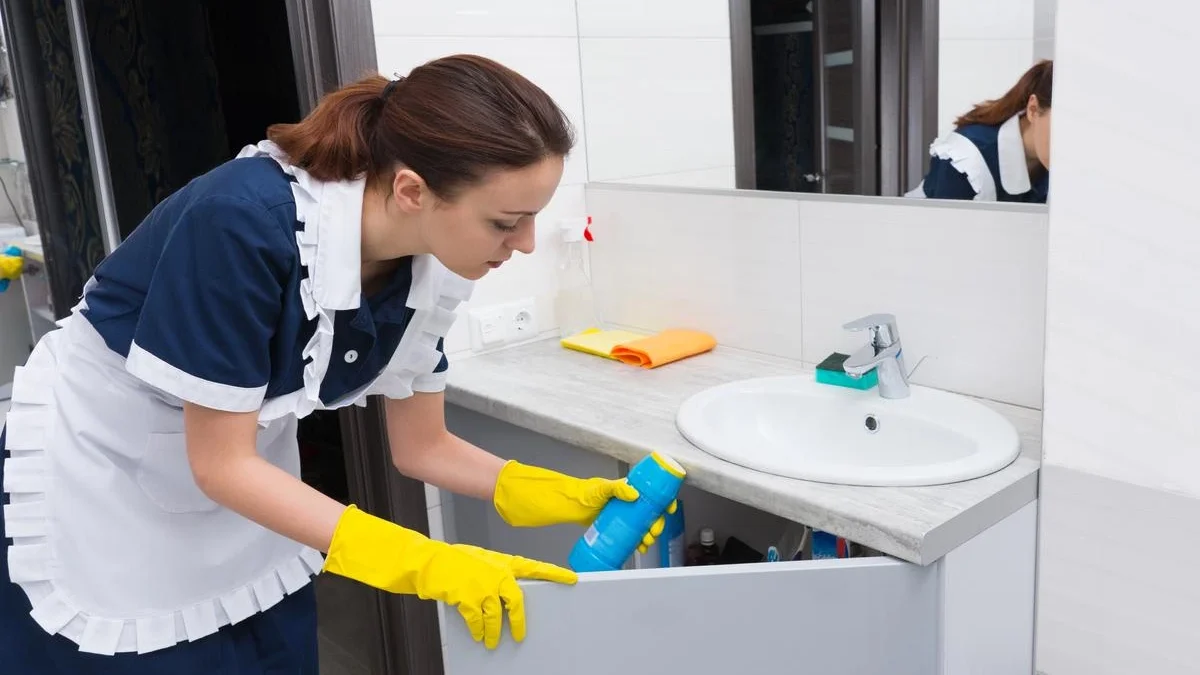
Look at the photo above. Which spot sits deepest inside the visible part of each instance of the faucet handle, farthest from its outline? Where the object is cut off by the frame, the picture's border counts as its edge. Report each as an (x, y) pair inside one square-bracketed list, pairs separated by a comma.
[(882, 327)]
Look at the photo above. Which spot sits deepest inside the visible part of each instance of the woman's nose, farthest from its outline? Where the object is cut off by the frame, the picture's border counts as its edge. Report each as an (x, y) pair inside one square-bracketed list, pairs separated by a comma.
[(523, 240)]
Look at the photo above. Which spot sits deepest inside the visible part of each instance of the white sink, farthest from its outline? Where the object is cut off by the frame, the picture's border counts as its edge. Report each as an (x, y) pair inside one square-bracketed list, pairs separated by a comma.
[(797, 428)]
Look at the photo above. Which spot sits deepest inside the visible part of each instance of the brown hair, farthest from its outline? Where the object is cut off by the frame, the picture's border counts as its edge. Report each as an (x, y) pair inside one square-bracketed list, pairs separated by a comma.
[(450, 121), (1037, 81)]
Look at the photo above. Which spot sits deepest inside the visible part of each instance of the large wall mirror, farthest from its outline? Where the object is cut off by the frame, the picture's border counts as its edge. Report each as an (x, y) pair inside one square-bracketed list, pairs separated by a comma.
[(818, 96)]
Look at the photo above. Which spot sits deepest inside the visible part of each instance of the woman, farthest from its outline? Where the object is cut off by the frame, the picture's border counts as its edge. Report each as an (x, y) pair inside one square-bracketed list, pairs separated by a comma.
[(158, 523), (1000, 150)]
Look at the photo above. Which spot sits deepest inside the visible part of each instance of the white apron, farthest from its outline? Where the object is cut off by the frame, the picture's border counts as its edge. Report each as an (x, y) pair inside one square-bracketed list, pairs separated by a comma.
[(113, 542)]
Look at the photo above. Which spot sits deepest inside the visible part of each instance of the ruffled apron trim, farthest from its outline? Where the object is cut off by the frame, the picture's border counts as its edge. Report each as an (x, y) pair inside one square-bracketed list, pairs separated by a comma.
[(31, 557)]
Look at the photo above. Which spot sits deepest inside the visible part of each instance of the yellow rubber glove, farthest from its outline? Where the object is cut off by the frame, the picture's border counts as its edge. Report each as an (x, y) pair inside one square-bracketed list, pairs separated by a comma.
[(10, 266), (479, 582), (530, 496)]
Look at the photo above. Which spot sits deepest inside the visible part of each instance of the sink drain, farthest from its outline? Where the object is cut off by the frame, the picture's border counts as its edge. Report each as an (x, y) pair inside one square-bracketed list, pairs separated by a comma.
[(871, 423)]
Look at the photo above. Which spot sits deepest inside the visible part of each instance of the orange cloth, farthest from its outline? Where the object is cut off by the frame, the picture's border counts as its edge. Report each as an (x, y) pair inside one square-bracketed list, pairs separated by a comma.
[(663, 348)]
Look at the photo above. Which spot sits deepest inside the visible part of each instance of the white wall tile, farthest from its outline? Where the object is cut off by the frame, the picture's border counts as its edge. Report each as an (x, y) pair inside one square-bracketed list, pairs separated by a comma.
[(1121, 430), (517, 18), (656, 106), (967, 287), (551, 63), (725, 264), (1117, 589), (973, 71), (1044, 19), (1043, 49), (724, 177), (659, 18), (986, 19), (1123, 270), (525, 276)]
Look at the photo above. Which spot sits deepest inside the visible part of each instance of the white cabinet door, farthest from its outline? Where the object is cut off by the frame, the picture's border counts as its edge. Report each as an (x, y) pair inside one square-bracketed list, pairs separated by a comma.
[(859, 616)]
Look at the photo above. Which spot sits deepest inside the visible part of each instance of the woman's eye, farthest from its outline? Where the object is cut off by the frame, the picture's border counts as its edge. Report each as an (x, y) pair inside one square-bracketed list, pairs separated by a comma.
[(504, 227)]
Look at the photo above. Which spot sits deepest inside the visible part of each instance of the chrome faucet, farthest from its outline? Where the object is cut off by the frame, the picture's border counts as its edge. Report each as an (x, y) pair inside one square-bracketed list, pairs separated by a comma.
[(884, 354)]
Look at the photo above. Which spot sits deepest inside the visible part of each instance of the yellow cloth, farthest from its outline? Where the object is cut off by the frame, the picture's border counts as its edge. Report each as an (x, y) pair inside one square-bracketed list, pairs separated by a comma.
[(599, 342), (10, 266), (665, 347), (530, 496), (479, 582)]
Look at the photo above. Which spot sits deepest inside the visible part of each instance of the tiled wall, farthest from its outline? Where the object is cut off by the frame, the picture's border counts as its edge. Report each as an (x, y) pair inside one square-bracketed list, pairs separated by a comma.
[(539, 39), (984, 47), (780, 275), (658, 102), (1043, 28), (1121, 485)]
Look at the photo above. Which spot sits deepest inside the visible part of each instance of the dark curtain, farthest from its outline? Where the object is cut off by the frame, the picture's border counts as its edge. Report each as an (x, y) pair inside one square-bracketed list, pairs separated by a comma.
[(55, 145)]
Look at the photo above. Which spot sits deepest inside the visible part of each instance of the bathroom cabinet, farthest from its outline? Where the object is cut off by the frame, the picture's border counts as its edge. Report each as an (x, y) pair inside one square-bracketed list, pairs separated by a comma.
[(970, 611)]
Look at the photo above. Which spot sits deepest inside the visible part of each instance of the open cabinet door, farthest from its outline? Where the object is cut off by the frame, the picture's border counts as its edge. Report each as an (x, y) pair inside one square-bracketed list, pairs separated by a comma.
[(847, 128), (834, 617)]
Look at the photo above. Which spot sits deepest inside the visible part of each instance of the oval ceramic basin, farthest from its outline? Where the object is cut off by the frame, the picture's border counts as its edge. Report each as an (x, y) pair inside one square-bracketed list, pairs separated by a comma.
[(797, 428)]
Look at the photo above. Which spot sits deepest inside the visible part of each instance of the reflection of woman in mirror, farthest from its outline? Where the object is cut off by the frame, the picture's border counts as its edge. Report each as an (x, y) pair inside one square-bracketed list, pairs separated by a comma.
[(1000, 150)]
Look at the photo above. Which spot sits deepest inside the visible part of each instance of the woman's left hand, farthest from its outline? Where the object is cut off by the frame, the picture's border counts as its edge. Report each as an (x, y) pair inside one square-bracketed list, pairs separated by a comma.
[(530, 496)]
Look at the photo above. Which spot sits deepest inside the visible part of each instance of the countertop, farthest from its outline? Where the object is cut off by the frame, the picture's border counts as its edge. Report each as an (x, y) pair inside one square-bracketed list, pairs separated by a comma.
[(623, 412)]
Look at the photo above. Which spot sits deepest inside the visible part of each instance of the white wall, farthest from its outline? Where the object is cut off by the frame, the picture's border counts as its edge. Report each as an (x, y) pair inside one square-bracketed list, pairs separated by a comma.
[(780, 275), (1121, 482), (658, 98), (1043, 28), (984, 47), (540, 40)]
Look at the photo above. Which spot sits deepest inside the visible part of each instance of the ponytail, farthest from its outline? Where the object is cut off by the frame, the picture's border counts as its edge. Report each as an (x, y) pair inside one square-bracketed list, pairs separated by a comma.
[(450, 121), (1037, 81), (332, 143)]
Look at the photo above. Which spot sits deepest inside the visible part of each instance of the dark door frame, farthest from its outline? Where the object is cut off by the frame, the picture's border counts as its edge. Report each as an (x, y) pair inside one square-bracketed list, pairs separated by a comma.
[(333, 43)]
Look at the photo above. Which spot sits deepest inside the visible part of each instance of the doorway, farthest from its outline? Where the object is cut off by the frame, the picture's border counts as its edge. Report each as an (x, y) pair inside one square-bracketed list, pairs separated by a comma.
[(833, 96)]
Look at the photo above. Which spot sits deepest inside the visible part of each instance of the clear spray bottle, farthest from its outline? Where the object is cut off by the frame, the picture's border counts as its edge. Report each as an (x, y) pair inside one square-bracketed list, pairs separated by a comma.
[(574, 306)]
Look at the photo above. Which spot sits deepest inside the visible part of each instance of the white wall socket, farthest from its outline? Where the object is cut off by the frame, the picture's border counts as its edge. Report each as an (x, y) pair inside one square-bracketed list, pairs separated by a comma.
[(497, 325)]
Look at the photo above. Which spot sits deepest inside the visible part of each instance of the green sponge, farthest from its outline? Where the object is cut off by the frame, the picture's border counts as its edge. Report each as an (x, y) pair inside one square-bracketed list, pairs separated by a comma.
[(830, 371)]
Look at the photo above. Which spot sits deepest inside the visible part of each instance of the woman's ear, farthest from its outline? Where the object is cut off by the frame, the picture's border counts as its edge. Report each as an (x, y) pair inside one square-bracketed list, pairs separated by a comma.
[(1032, 106), (410, 191)]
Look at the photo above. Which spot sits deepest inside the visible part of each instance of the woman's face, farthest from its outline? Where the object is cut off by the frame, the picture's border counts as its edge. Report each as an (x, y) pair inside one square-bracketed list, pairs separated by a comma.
[(481, 228), (1039, 126)]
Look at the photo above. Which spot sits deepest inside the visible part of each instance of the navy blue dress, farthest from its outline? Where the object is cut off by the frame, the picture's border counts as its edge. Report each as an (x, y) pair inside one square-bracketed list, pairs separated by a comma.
[(242, 292), (983, 163)]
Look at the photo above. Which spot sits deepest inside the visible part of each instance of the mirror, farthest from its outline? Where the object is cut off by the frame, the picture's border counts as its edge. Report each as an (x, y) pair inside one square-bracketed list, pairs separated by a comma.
[(816, 96)]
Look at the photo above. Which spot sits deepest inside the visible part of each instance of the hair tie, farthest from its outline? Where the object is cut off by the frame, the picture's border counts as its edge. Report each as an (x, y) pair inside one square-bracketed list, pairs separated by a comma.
[(387, 89)]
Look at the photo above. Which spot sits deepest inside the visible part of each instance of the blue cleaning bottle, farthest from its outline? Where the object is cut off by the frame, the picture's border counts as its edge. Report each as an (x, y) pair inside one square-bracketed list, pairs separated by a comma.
[(617, 531)]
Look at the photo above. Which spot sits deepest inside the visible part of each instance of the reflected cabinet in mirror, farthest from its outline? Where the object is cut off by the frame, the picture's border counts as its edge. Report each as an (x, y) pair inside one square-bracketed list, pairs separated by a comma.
[(943, 99)]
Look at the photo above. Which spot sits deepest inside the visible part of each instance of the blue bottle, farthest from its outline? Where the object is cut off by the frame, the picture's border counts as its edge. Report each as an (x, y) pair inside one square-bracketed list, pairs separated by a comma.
[(617, 531)]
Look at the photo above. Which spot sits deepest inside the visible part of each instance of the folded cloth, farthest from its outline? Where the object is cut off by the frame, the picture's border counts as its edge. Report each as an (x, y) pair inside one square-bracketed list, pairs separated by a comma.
[(599, 342), (663, 348)]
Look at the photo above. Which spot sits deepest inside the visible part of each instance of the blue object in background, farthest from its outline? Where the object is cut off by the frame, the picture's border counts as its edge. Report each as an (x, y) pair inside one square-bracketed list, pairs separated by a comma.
[(824, 545), (618, 530)]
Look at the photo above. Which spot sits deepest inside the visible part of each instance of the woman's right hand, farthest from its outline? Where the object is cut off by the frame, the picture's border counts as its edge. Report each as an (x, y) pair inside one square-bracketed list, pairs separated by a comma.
[(479, 582)]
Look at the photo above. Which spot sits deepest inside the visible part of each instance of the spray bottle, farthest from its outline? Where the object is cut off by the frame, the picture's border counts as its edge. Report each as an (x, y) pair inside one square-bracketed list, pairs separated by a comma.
[(620, 527), (574, 306)]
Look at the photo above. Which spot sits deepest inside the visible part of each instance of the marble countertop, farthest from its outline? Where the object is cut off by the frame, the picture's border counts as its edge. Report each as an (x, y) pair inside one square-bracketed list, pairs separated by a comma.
[(623, 412)]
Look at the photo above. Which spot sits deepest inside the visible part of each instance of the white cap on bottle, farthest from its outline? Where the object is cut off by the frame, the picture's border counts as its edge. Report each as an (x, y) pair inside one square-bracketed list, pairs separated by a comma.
[(707, 537)]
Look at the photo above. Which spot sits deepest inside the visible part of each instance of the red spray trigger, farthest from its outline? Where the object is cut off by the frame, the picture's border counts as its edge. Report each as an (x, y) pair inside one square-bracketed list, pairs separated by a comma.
[(587, 231)]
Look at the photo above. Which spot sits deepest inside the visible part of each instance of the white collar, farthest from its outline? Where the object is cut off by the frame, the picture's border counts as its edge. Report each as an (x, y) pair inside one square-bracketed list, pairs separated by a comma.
[(331, 241), (1010, 148)]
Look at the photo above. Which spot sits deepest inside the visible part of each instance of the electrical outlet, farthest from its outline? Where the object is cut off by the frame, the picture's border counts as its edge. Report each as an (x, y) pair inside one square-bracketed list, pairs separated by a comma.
[(522, 320), (489, 327)]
